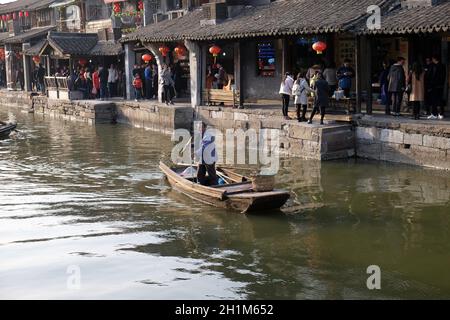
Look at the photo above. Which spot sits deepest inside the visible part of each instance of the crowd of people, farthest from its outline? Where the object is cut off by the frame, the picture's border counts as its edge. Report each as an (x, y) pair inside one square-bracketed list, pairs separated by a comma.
[(423, 86), (317, 82), (146, 81), (97, 82)]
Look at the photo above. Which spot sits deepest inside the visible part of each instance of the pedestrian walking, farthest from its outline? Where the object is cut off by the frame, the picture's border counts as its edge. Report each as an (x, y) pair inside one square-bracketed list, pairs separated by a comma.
[(322, 97), (384, 83), (167, 82), (345, 74), (300, 91), (438, 75), (113, 76), (286, 92), (148, 74), (396, 84), (137, 84), (103, 76), (416, 79)]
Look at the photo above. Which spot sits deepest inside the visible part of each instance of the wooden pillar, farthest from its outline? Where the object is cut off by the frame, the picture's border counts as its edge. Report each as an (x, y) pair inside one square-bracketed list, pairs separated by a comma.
[(284, 65), (47, 59), (154, 48), (358, 73), (444, 61), (9, 56), (129, 65), (238, 80), (26, 68), (368, 63), (196, 71)]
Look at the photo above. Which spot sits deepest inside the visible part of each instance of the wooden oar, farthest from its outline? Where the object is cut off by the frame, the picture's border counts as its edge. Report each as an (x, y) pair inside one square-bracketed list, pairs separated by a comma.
[(224, 177)]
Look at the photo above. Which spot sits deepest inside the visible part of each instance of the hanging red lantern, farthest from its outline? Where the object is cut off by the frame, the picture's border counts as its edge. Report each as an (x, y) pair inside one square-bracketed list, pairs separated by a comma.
[(82, 62), (2, 54), (164, 50), (180, 50), (116, 7), (147, 58), (36, 59), (27, 14), (20, 14), (141, 5), (215, 50), (319, 47), (14, 16)]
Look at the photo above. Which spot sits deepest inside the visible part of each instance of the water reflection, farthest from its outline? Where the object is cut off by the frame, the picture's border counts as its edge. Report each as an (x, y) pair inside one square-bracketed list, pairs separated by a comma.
[(92, 196)]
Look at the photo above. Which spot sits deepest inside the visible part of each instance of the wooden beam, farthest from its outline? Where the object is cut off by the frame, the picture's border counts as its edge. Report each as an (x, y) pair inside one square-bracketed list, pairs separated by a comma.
[(369, 56), (358, 72)]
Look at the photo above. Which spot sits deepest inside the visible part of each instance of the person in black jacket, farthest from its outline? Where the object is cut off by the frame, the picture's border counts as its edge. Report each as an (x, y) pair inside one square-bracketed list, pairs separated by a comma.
[(321, 94), (438, 75), (103, 76), (396, 85)]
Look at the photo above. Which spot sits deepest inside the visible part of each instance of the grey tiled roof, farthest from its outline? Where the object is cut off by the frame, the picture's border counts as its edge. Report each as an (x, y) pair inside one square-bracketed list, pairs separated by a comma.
[(19, 5), (35, 49), (72, 43), (282, 17), (414, 20), (27, 35), (106, 48)]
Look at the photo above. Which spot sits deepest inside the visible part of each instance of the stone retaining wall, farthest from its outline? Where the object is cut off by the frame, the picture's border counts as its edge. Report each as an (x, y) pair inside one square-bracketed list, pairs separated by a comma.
[(154, 116), (404, 142), (15, 98), (148, 114), (86, 111), (332, 141)]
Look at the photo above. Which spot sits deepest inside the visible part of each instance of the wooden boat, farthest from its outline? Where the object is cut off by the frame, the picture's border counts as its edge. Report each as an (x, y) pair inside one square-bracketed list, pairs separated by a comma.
[(237, 195), (6, 129)]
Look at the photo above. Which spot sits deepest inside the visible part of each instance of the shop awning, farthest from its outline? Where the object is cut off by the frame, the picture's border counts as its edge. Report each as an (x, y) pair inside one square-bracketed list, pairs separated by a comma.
[(63, 3)]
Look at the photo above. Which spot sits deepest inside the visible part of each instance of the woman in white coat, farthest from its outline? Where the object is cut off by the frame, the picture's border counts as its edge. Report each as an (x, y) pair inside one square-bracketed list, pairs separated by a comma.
[(300, 91), (286, 92)]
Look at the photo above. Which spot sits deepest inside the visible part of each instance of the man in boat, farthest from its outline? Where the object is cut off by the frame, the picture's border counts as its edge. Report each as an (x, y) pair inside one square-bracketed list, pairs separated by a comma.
[(207, 157)]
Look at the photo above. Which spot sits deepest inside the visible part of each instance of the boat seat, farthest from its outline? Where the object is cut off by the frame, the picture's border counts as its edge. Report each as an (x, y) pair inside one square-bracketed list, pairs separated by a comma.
[(236, 187)]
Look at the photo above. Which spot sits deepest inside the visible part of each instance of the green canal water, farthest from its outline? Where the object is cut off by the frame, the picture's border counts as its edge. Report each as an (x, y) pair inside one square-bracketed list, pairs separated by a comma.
[(91, 199)]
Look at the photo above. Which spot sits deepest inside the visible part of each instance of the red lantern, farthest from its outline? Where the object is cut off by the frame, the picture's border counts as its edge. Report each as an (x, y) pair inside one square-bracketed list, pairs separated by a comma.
[(36, 59), (20, 14), (82, 62), (215, 50), (147, 58), (141, 5), (116, 7), (14, 16), (27, 14), (319, 47), (164, 50), (180, 50), (2, 54)]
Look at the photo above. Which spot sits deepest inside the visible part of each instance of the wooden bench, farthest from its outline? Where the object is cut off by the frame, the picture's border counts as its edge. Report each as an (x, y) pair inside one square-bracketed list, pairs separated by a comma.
[(227, 97)]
